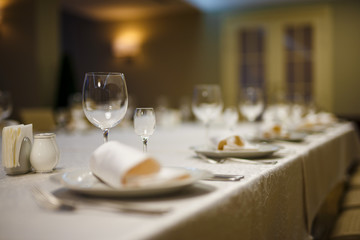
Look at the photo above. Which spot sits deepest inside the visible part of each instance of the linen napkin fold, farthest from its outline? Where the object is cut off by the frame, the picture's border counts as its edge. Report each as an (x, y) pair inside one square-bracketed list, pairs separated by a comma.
[(274, 130), (119, 165), (12, 137), (233, 143)]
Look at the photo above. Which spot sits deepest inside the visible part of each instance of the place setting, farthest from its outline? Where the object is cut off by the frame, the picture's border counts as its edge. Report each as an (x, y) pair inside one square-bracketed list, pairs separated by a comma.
[(229, 146), (236, 147), (274, 131), (116, 169)]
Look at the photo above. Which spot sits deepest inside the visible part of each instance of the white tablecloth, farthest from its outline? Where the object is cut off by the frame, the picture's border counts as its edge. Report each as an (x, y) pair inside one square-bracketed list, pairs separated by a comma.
[(272, 202)]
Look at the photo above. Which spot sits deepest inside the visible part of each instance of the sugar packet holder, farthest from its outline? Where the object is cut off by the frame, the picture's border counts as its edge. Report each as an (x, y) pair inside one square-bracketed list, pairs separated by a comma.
[(23, 152), (16, 148)]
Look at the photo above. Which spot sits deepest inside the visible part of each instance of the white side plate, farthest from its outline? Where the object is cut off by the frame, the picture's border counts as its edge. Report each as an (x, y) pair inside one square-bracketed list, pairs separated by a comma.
[(262, 151), (293, 137), (83, 181)]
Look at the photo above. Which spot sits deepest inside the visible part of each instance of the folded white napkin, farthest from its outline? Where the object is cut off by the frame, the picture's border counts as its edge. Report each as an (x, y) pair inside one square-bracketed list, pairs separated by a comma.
[(233, 143), (274, 130), (321, 118), (119, 165), (12, 137)]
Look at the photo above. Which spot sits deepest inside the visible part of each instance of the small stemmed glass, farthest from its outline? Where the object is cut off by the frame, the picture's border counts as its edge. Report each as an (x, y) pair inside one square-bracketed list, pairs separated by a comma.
[(104, 99), (144, 124)]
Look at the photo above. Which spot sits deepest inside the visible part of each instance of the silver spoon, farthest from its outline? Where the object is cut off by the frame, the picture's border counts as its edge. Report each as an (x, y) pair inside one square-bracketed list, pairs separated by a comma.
[(211, 160)]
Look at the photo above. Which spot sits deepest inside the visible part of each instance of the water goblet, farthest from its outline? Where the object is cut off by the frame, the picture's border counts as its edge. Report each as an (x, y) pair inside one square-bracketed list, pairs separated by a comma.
[(144, 124), (207, 104), (251, 104), (104, 99), (230, 116)]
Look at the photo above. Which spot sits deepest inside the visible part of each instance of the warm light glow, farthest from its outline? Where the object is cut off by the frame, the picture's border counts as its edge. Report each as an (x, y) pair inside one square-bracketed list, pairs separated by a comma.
[(4, 3), (127, 43)]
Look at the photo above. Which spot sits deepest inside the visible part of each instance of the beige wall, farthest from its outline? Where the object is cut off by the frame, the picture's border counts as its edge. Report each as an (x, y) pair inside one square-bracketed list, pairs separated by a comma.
[(17, 53), (29, 52), (346, 18), (47, 49), (168, 63)]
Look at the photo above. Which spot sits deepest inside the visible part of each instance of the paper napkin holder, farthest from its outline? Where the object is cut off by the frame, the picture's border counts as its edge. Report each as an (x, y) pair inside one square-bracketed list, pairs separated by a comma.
[(24, 159)]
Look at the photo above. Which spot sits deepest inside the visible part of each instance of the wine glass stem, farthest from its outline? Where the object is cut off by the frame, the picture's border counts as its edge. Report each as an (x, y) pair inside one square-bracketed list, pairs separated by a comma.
[(145, 141), (254, 128), (207, 126), (106, 134)]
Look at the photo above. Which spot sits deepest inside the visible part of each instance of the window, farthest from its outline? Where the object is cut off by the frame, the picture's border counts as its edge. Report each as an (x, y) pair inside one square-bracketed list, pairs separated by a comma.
[(252, 50), (280, 50), (298, 43)]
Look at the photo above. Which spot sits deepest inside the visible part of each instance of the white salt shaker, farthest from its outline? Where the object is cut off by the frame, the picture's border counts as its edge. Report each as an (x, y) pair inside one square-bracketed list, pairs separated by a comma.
[(44, 153)]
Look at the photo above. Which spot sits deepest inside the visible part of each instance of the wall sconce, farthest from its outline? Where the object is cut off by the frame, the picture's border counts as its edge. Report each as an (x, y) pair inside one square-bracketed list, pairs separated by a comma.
[(1, 16), (127, 46)]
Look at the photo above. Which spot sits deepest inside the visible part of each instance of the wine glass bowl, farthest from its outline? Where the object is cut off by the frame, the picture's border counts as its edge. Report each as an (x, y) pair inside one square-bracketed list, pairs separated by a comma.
[(144, 124), (251, 103), (251, 106), (104, 99), (230, 117), (207, 103)]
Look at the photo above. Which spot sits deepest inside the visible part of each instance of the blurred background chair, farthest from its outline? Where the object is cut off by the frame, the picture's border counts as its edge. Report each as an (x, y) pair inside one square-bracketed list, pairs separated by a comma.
[(347, 225)]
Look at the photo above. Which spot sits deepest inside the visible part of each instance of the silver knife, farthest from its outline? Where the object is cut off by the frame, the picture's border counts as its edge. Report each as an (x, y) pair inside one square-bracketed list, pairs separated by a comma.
[(224, 177)]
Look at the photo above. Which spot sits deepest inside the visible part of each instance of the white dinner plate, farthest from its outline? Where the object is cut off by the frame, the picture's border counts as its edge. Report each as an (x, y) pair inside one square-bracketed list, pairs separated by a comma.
[(313, 129), (83, 181), (293, 137), (263, 150)]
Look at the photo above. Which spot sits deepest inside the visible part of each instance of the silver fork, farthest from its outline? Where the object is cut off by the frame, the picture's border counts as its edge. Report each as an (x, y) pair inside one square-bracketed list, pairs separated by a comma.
[(48, 200), (241, 160)]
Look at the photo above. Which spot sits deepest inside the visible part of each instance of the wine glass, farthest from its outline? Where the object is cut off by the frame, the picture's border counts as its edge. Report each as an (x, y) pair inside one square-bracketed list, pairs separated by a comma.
[(207, 103), (230, 116), (144, 124), (104, 99), (251, 103), (5, 105), (298, 108)]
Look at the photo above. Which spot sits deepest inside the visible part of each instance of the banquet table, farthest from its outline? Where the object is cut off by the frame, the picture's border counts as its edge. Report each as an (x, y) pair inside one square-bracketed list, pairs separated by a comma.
[(277, 201)]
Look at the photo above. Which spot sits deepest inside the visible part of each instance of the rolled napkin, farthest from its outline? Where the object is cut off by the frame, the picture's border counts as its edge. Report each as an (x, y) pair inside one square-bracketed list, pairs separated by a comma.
[(321, 118), (274, 130), (12, 138), (233, 143), (119, 165)]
